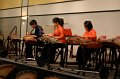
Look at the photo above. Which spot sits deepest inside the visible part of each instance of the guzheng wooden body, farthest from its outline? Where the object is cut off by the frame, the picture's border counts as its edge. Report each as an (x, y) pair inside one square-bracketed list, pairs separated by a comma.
[(85, 43), (117, 42), (111, 42), (48, 39), (29, 39), (14, 38)]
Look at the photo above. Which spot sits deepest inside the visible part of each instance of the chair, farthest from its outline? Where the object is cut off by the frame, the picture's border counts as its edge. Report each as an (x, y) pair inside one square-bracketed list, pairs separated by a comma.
[(68, 33)]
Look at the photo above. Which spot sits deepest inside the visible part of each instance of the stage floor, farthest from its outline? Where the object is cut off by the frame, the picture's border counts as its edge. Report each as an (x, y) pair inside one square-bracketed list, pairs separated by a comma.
[(56, 65)]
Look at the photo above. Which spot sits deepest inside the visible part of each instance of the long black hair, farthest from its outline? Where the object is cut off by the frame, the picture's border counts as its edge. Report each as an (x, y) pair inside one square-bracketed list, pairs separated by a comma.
[(61, 22)]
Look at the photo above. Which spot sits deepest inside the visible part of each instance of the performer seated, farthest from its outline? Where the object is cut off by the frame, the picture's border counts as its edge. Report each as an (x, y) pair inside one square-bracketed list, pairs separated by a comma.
[(38, 32), (90, 34), (58, 34)]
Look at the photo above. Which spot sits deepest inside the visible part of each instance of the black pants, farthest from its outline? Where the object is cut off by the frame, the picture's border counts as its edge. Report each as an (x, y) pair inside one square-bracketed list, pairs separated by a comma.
[(28, 50), (83, 55), (49, 52)]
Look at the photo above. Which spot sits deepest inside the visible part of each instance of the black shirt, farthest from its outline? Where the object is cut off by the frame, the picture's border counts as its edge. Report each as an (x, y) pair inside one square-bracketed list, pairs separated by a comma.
[(39, 31)]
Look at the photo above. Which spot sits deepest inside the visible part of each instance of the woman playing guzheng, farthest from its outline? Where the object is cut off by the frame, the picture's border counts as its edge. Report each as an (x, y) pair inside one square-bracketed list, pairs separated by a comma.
[(57, 34), (90, 35), (59, 30)]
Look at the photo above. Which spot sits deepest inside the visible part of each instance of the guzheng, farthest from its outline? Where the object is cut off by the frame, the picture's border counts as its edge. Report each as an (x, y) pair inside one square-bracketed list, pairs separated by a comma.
[(14, 38), (48, 39), (116, 42), (85, 43), (93, 45), (76, 40), (107, 42), (29, 39)]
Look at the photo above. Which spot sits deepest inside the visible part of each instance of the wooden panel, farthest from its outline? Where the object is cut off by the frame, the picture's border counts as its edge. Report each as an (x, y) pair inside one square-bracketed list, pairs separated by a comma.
[(34, 2), (4, 4)]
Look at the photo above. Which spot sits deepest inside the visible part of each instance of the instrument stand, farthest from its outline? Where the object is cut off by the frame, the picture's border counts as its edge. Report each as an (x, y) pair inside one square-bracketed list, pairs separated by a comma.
[(13, 47), (48, 55), (43, 59)]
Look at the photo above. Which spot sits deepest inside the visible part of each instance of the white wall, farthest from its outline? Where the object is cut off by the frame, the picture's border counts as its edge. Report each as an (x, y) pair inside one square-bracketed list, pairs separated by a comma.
[(6, 25), (105, 23), (76, 6), (10, 12)]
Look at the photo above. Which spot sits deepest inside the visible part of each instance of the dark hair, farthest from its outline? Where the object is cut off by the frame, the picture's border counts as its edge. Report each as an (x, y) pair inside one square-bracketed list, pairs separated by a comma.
[(56, 20), (61, 21), (32, 22), (88, 24)]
